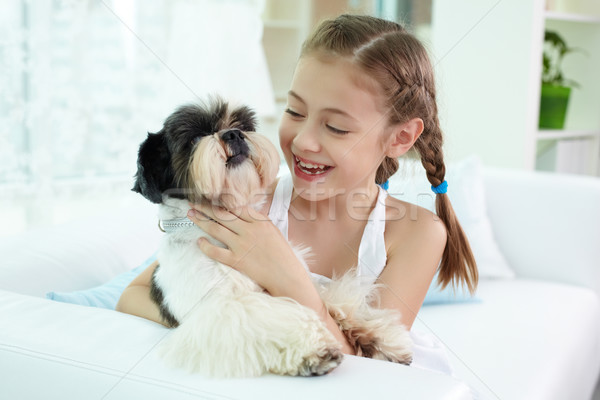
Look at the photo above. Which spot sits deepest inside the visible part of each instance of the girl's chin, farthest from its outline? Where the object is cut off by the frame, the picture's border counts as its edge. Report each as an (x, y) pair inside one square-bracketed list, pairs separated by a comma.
[(313, 194)]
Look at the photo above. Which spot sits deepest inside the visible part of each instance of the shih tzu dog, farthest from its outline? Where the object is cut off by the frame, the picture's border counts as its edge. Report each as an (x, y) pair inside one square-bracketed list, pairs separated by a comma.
[(226, 325)]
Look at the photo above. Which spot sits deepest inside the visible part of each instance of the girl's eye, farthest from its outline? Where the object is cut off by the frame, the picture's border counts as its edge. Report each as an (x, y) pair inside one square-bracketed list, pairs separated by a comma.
[(335, 130), (293, 113)]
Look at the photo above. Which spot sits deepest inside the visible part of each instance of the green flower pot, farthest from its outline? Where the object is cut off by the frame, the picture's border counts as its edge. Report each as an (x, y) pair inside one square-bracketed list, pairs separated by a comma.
[(553, 106)]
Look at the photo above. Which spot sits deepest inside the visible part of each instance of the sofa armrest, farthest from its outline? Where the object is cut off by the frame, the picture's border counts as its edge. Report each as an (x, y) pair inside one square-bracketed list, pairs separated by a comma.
[(80, 254), (547, 225)]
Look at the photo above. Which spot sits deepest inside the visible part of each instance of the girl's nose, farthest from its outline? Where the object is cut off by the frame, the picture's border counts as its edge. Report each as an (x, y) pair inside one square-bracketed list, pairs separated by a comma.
[(307, 139)]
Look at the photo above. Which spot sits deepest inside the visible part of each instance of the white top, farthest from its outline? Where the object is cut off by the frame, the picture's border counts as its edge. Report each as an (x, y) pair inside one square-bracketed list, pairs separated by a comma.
[(372, 256), (428, 351)]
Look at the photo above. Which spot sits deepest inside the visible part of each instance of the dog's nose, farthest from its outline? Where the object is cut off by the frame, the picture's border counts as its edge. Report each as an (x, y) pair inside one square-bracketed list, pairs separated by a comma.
[(232, 134), (237, 148)]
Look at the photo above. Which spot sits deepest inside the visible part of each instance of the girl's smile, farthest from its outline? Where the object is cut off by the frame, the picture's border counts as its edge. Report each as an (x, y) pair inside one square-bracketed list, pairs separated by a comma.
[(310, 170)]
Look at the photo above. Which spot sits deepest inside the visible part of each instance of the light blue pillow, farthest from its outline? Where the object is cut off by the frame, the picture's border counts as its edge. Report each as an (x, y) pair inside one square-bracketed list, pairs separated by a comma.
[(436, 296), (103, 296)]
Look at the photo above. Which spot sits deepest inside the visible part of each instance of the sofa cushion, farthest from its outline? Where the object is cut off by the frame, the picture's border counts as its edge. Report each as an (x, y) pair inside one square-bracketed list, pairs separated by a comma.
[(49, 349), (526, 340), (79, 255)]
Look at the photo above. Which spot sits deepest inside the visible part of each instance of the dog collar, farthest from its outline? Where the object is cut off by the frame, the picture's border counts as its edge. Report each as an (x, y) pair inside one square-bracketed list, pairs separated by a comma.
[(172, 225)]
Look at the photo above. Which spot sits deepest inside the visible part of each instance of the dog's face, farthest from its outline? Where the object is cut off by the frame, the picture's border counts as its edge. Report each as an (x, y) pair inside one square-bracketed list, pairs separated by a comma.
[(208, 152)]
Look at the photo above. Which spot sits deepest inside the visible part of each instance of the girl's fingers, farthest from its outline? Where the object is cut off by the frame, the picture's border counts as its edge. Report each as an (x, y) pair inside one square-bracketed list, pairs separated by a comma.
[(212, 211), (211, 227), (233, 220), (209, 210), (216, 253), (249, 214)]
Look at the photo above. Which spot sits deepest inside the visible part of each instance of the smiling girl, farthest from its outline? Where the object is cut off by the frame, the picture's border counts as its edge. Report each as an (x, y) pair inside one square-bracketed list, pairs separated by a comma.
[(362, 95)]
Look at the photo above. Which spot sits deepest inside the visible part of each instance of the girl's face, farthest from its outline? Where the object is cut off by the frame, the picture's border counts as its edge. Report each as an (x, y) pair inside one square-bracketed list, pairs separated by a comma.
[(332, 132)]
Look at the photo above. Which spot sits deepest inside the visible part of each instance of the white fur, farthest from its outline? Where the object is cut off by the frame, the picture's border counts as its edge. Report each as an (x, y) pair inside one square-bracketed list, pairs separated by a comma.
[(228, 326)]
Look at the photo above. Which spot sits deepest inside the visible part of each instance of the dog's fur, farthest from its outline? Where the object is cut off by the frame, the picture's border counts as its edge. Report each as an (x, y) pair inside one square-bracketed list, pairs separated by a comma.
[(225, 324)]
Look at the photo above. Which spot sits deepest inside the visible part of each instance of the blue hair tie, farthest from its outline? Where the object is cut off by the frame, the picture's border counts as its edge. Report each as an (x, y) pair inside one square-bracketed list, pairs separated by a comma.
[(385, 185), (441, 188)]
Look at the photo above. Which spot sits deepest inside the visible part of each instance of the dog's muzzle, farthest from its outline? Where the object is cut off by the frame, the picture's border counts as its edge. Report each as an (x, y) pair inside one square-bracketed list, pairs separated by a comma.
[(237, 148)]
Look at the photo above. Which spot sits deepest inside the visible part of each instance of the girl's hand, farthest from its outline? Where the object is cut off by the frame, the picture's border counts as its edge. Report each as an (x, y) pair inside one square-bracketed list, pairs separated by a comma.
[(255, 247)]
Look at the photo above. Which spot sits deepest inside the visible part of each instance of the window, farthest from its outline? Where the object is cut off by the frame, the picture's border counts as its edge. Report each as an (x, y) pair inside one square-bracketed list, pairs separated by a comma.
[(84, 81)]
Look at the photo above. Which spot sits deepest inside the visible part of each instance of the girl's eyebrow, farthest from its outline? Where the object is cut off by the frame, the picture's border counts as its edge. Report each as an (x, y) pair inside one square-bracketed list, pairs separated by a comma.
[(329, 109)]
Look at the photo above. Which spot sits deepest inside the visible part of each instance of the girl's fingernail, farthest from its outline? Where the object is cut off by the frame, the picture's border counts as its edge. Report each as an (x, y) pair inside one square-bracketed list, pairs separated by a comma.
[(191, 214)]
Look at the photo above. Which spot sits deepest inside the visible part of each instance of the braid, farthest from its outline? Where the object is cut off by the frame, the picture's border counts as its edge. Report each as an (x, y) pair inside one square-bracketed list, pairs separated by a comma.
[(458, 262), (429, 146), (387, 168)]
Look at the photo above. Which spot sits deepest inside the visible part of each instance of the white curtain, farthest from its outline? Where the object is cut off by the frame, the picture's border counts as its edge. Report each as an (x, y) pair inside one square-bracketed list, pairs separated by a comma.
[(83, 81), (215, 47)]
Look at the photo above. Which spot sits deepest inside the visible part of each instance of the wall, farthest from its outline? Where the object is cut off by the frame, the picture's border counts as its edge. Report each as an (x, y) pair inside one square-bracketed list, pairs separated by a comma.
[(482, 52)]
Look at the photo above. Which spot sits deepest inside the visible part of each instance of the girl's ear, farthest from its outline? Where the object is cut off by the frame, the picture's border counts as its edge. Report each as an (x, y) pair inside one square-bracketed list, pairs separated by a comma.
[(403, 136)]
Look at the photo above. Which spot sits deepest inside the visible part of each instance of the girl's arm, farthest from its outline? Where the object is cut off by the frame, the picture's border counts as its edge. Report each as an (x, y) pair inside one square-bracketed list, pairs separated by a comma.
[(415, 247), (257, 248), (136, 300)]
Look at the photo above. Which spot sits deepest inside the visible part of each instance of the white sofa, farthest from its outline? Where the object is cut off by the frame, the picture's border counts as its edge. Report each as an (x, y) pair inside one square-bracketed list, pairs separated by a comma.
[(534, 336)]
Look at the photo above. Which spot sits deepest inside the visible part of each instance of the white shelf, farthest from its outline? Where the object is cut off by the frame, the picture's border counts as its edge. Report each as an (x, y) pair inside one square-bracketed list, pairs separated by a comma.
[(561, 16), (559, 134)]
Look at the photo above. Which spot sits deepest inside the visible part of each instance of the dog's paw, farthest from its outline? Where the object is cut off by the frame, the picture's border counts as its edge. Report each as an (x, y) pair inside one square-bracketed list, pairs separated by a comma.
[(321, 363), (399, 355), (393, 344)]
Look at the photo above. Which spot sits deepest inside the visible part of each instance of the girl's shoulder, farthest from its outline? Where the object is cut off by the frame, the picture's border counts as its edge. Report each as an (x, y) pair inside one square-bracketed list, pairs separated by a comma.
[(409, 223)]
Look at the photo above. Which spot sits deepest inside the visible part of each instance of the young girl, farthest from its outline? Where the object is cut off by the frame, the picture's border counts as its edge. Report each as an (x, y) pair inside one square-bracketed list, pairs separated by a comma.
[(362, 95)]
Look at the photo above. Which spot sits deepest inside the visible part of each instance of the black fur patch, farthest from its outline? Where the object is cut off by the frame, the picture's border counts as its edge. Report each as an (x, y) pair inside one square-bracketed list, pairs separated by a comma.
[(155, 173), (244, 119), (156, 295)]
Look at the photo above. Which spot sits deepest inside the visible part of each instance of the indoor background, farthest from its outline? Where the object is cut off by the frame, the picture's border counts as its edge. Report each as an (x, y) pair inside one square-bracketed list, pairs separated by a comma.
[(82, 82)]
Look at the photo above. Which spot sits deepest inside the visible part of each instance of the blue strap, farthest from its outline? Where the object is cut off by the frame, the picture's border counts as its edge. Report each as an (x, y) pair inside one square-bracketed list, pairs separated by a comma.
[(385, 185), (441, 188)]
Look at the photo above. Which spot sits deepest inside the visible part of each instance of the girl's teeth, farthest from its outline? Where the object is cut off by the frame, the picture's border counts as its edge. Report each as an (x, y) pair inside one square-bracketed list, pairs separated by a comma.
[(306, 166)]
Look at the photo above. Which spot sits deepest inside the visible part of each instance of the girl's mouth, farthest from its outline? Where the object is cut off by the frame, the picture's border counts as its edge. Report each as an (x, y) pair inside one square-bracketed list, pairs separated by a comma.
[(309, 171)]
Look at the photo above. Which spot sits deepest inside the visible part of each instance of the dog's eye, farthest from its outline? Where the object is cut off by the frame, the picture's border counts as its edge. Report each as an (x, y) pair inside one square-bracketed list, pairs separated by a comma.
[(196, 140)]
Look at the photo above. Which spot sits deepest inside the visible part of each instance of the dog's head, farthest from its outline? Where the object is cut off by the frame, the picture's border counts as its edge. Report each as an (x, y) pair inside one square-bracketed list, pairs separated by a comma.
[(207, 151)]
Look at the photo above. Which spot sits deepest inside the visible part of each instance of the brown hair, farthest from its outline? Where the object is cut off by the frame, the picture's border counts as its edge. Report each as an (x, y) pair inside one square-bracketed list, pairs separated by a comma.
[(399, 63)]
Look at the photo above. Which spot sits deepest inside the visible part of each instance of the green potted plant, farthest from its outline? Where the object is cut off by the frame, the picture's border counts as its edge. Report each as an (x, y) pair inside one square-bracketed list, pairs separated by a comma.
[(556, 89)]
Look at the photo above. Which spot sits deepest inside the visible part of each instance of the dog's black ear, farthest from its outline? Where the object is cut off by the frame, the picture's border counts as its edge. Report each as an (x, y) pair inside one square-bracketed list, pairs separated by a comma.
[(244, 118), (155, 173)]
